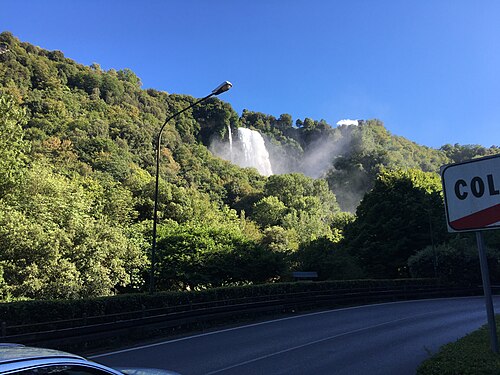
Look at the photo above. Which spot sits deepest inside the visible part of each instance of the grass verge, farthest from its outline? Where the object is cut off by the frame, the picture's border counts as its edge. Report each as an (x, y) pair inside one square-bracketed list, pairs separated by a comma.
[(470, 355)]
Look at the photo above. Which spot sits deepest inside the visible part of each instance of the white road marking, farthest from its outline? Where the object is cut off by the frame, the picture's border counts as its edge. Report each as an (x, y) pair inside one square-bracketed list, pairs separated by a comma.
[(314, 342), (263, 323)]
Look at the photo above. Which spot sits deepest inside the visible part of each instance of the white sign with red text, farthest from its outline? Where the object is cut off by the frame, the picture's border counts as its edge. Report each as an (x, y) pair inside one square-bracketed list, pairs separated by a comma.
[(472, 194)]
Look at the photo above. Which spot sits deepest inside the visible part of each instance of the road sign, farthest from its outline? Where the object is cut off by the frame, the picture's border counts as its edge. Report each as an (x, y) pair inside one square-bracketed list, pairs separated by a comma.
[(472, 194), (472, 202)]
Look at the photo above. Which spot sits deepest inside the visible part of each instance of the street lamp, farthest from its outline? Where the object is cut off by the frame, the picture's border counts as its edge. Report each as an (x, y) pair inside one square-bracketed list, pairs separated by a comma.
[(223, 87)]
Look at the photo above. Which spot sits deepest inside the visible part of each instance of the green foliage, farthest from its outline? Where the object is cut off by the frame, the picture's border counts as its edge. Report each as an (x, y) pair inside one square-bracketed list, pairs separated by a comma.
[(455, 262), (269, 211), (214, 118), (29, 312), (12, 145), (370, 148), (77, 168), (470, 355), (297, 202), (55, 241), (395, 220), (459, 153), (278, 239), (192, 256), (341, 220), (329, 260)]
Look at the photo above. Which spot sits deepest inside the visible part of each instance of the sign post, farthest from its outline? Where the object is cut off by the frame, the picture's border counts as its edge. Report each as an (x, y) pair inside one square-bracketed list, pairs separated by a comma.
[(487, 292), (472, 201)]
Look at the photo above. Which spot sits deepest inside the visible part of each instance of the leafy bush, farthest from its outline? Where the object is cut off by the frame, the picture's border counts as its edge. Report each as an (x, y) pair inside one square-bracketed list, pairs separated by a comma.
[(191, 256), (470, 355), (29, 312), (456, 262), (328, 259)]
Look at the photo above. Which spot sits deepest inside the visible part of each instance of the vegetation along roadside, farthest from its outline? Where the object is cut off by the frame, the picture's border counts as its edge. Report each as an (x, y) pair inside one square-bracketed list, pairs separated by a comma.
[(470, 355)]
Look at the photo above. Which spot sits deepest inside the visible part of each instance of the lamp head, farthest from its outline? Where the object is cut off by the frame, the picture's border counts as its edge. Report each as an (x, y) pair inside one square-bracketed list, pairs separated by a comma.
[(223, 87)]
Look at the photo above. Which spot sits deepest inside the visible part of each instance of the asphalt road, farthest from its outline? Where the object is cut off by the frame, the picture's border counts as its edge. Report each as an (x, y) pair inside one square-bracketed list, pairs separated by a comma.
[(390, 338)]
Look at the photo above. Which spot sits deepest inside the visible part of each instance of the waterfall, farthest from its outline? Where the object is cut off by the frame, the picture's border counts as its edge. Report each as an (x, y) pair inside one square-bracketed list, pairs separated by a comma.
[(230, 136), (247, 150), (254, 151)]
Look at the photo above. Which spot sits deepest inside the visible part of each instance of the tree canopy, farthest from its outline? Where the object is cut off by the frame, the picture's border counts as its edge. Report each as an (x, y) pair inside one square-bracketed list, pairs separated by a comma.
[(77, 166), (402, 214)]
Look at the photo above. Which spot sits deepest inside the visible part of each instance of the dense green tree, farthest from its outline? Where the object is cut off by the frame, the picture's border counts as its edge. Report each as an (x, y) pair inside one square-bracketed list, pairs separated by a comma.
[(278, 239), (342, 219), (297, 202), (258, 120), (459, 153), (395, 220), (55, 241), (12, 144), (331, 262), (215, 118), (284, 122), (192, 256), (456, 261), (269, 211), (292, 189)]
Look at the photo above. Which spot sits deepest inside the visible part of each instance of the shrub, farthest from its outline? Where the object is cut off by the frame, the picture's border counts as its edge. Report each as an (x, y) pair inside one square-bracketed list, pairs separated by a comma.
[(470, 355)]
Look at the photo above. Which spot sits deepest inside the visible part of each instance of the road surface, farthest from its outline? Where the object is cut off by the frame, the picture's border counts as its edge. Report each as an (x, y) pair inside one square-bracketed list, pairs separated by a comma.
[(389, 338)]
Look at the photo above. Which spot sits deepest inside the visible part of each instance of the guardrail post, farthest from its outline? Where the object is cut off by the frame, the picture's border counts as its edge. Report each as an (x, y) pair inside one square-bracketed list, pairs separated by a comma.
[(4, 329), (143, 311), (84, 319)]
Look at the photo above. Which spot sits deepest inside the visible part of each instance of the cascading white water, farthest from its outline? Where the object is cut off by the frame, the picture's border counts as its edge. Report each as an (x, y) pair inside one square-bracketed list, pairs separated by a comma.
[(230, 136), (248, 150), (254, 151)]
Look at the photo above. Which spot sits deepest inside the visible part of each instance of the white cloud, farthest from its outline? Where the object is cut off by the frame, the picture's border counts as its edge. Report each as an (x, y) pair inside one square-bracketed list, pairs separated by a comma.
[(347, 122)]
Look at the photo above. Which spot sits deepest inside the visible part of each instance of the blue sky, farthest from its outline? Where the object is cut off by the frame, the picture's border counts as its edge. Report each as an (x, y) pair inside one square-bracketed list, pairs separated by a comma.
[(430, 70)]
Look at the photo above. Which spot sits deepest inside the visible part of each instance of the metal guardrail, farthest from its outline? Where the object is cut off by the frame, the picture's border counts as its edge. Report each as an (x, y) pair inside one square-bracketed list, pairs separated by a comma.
[(73, 331)]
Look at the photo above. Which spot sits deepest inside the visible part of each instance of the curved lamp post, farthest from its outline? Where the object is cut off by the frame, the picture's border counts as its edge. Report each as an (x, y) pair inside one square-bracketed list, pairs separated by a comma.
[(218, 90)]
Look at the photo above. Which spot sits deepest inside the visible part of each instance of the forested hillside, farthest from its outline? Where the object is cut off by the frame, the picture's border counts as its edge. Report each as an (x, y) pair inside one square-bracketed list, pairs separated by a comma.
[(77, 187)]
